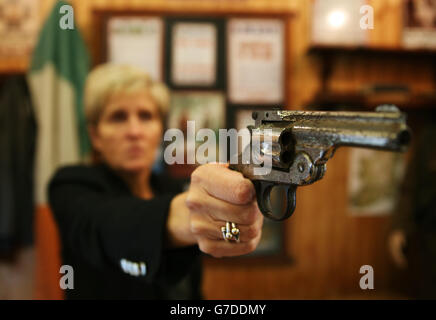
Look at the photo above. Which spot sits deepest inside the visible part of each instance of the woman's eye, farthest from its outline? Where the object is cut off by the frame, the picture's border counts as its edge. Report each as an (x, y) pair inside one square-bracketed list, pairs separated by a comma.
[(145, 115), (118, 116)]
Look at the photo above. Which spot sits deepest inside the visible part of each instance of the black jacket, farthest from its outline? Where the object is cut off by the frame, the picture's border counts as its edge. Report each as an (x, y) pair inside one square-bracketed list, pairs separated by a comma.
[(416, 208), (17, 150), (115, 241)]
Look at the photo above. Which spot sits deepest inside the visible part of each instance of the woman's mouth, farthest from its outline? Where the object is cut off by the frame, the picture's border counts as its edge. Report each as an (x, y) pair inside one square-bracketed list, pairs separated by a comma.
[(134, 151)]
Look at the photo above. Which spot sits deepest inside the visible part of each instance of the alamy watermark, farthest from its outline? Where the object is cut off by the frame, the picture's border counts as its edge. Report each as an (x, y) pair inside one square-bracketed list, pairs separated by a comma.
[(367, 20), (367, 280), (257, 148), (67, 280), (66, 22)]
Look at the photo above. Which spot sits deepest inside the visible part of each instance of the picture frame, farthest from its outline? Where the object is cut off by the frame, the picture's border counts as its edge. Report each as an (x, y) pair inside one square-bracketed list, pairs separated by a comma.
[(374, 181), (207, 109), (195, 53), (20, 22), (419, 27)]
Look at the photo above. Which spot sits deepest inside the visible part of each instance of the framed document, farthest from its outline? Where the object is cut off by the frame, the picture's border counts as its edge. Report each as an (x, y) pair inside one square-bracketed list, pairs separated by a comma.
[(195, 53), (374, 180), (419, 24), (255, 69), (137, 41), (194, 50), (207, 109)]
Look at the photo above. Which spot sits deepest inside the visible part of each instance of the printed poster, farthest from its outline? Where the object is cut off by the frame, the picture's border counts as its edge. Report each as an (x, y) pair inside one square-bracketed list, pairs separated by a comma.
[(138, 42), (256, 68)]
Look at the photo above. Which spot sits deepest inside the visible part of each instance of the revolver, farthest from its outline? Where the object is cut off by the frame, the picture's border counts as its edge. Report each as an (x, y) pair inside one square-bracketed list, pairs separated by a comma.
[(297, 145)]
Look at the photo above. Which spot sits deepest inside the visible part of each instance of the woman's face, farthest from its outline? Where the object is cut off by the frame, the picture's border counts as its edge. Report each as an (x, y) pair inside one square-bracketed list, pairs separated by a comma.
[(129, 132)]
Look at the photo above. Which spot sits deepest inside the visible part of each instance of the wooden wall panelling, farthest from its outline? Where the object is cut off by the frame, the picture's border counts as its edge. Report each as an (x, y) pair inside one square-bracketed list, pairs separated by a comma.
[(328, 245)]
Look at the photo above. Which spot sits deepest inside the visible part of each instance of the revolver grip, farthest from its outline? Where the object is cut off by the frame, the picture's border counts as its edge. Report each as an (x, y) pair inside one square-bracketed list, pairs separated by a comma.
[(263, 192)]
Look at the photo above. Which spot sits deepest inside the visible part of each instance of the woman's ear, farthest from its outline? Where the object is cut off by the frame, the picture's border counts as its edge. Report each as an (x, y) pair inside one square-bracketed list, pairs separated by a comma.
[(94, 136)]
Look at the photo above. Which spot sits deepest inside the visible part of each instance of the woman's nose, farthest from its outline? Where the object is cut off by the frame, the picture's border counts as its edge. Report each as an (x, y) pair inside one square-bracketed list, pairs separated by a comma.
[(134, 127)]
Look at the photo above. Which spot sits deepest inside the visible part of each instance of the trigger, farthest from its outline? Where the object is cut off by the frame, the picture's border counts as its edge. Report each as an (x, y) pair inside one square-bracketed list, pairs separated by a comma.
[(291, 201), (263, 193)]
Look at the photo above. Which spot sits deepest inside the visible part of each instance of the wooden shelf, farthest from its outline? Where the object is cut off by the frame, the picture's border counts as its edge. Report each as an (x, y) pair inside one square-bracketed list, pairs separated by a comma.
[(401, 97), (360, 50), (14, 65), (327, 100)]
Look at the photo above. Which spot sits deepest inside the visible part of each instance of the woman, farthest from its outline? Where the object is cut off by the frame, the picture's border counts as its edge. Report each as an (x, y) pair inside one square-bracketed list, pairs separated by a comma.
[(128, 233)]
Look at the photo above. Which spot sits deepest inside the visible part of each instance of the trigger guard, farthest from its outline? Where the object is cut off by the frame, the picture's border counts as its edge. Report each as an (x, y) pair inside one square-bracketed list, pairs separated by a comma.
[(263, 192)]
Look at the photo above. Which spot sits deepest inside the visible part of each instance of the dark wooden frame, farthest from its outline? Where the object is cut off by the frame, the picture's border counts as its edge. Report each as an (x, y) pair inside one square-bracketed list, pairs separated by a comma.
[(219, 83)]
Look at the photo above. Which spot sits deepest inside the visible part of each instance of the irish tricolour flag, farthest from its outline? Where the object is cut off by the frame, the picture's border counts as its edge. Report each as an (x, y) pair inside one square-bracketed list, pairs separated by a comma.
[(56, 77)]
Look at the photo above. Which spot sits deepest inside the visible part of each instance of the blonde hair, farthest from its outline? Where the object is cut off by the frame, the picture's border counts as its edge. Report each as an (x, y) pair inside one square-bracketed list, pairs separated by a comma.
[(107, 79)]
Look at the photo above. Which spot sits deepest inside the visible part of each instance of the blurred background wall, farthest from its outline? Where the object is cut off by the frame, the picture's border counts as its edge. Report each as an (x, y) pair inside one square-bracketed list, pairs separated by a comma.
[(326, 243)]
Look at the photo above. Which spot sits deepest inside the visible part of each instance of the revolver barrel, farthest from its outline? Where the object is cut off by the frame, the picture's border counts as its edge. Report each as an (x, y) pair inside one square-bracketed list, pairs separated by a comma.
[(386, 130)]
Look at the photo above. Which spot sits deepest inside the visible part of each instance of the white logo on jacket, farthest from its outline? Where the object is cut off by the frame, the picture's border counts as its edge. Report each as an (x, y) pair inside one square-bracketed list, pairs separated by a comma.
[(134, 268)]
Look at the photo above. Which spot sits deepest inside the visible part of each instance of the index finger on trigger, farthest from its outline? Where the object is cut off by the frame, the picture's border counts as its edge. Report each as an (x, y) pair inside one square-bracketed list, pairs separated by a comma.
[(223, 183)]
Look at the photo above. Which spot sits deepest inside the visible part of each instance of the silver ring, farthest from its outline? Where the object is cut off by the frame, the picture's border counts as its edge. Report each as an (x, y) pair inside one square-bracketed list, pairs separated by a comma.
[(230, 232)]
